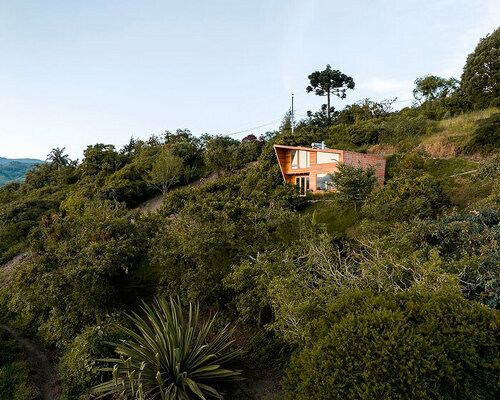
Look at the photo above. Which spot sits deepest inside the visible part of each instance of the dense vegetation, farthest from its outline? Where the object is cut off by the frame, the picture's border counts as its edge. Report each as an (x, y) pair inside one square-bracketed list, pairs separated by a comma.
[(15, 380), (374, 293)]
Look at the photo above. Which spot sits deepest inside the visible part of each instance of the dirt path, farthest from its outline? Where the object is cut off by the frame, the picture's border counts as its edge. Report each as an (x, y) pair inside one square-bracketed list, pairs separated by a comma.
[(40, 363), (7, 269)]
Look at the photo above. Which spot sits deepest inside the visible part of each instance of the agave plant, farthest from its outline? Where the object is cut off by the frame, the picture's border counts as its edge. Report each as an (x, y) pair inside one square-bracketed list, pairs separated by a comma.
[(169, 357)]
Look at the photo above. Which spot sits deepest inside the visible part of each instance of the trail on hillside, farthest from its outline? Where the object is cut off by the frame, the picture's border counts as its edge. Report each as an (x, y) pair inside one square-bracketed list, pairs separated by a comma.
[(155, 203), (6, 270), (40, 363)]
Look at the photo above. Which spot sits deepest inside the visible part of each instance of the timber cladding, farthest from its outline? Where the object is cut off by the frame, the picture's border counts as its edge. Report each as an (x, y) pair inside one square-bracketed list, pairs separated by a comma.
[(316, 171)]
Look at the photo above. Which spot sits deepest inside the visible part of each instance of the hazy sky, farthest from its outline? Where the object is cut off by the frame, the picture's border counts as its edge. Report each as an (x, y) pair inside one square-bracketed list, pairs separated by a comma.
[(74, 73)]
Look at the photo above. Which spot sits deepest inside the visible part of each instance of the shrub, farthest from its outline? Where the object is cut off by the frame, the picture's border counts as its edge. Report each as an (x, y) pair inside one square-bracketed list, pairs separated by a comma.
[(480, 80), (410, 345), (406, 196), (78, 368), (15, 382), (168, 357), (354, 183), (486, 137)]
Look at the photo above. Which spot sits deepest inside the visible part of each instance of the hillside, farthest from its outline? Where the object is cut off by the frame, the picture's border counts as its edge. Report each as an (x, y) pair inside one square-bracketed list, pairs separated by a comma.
[(14, 170), (244, 242), (188, 263)]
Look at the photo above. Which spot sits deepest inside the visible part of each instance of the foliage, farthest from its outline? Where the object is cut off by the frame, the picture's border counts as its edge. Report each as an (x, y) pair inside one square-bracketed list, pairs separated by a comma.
[(84, 264), (481, 76), (58, 158), (419, 344), (486, 137), (431, 88), (14, 171), (15, 379), (329, 82), (354, 183), (364, 110), (468, 246), (406, 196), (226, 154), (169, 357), (78, 368), (241, 241), (166, 171)]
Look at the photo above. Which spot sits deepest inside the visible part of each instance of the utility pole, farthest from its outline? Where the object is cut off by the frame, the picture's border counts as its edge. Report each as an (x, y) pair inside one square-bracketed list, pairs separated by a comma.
[(293, 122)]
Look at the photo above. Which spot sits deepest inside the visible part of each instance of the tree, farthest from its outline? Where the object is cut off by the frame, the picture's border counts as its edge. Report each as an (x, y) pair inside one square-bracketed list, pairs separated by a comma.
[(168, 357), (58, 158), (410, 194), (416, 344), (481, 76), (328, 82), (354, 183), (167, 171), (286, 122), (432, 87)]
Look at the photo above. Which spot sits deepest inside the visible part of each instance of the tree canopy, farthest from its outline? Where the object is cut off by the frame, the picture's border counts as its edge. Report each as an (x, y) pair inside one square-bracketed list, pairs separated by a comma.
[(330, 82), (481, 76)]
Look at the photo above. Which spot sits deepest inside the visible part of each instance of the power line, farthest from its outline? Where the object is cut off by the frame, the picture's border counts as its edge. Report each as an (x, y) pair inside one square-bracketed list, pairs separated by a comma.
[(278, 120), (251, 129)]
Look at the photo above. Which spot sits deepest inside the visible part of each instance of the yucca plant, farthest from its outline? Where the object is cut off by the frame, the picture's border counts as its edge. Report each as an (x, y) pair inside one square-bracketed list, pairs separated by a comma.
[(169, 357)]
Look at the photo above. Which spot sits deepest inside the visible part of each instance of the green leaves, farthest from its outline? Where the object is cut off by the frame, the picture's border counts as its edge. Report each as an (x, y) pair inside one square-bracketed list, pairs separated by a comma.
[(170, 357), (481, 77), (330, 81), (354, 183)]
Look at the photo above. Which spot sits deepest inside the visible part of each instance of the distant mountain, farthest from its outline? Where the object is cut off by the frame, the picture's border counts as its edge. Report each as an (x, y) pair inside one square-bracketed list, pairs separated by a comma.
[(14, 170)]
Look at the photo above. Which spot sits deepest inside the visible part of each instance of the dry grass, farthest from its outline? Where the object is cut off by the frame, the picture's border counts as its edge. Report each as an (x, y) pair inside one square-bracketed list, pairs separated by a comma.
[(453, 132), (383, 149)]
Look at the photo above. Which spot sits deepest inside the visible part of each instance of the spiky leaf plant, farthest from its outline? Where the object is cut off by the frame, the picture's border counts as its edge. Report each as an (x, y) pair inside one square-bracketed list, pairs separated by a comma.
[(169, 357)]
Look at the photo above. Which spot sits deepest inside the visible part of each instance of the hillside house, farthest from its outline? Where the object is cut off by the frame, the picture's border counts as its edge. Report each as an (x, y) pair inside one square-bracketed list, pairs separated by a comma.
[(310, 167)]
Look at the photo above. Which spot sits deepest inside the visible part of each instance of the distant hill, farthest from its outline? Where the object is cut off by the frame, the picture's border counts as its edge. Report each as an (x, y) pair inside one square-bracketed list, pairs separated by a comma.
[(14, 170)]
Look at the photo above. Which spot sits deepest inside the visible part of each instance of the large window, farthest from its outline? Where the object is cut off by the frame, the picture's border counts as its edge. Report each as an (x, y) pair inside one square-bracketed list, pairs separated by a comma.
[(304, 160), (324, 182), (300, 159), (326, 158)]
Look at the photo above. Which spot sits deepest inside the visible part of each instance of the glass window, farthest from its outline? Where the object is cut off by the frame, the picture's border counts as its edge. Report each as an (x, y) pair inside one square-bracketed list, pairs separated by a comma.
[(325, 158), (302, 159), (295, 159), (324, 182), (303, 183)]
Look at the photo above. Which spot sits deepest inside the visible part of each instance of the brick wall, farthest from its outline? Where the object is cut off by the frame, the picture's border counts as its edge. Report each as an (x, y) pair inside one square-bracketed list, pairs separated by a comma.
[(365, 161)]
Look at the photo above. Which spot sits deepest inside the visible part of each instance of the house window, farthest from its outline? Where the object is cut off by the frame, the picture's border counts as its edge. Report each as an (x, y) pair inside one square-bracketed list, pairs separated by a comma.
[(304, 159), (295, 159), (326, 158), (303, 183), (324, 182), (300, 159)]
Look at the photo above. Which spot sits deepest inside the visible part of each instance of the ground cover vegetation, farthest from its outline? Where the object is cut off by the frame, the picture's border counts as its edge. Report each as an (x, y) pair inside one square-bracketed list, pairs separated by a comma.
[(390, 292)]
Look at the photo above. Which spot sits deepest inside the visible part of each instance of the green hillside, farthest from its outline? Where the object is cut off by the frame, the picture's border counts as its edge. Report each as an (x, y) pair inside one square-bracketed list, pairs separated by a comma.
[(15, 170), (367, 293)]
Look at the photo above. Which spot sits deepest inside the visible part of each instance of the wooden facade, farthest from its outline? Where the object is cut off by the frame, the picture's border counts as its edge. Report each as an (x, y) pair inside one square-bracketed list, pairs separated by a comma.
[(310, 168)]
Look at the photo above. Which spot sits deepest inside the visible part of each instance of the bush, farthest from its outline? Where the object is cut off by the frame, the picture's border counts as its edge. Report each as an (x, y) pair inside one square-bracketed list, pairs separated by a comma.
[(486, 137), (354, 183), (480, 80), (78, 368), (172, 357), (410, 345), (15, 382), (406, 196)]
